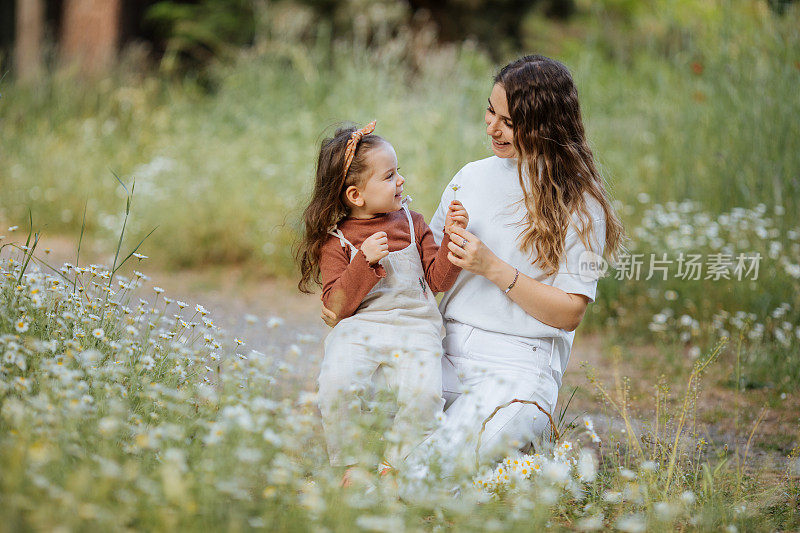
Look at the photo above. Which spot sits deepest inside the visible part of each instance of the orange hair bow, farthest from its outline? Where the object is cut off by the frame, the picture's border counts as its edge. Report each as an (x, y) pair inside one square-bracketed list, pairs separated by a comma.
[(352, 144)]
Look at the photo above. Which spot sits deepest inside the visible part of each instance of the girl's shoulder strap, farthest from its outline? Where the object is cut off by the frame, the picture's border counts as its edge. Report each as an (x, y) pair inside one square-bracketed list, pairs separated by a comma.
[(406, 201), (336, 232)]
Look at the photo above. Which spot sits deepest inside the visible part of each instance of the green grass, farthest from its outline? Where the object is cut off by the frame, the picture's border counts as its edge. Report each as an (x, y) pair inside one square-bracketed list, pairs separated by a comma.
[(129, 429), (146, 425), (236, 166), (226, 174)]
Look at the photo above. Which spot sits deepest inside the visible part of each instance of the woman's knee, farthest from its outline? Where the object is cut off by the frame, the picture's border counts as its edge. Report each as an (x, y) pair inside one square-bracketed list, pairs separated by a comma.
[(517, 424), (333, 386)]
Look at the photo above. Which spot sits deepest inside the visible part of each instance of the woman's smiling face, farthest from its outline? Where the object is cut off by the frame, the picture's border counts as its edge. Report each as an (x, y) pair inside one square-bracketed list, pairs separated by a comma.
[(498, 123)]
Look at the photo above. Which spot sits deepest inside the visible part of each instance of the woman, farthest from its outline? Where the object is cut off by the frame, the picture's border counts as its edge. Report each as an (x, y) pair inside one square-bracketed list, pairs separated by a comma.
[(538, 213)]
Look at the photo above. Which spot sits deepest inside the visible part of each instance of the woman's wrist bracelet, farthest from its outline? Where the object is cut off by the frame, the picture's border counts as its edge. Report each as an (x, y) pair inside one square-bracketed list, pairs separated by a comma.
[(511, 286)]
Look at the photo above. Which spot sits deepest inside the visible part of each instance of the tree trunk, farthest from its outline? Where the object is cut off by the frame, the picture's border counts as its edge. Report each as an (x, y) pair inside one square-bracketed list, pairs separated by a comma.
[(30, 32), (90, 33)]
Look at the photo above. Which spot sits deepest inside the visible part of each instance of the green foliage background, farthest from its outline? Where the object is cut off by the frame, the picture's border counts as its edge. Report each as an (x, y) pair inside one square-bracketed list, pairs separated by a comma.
[(681, 100)]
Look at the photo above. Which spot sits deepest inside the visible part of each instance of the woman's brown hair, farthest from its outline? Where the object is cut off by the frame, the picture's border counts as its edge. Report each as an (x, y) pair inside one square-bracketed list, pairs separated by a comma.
[(327, 206), (555, 164)]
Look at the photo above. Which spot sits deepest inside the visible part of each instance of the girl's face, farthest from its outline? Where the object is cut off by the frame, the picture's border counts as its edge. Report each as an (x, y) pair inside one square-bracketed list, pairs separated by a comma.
[(382, 190), (498, 123)]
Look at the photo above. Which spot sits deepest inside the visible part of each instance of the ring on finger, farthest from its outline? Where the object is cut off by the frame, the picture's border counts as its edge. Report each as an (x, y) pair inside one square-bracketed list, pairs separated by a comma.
[(464, 243)]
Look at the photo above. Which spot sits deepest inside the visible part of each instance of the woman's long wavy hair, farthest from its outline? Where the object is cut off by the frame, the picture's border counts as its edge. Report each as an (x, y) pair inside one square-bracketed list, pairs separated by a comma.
[(327, 206), (555, 164)]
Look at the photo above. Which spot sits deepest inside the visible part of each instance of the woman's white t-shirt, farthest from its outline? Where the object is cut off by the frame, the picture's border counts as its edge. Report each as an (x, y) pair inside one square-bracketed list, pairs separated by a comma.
[(491, 193)]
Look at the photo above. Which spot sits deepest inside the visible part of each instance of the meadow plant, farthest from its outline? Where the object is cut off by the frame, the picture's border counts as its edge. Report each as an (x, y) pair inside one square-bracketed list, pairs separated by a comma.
[(691, 308), (121, 408)]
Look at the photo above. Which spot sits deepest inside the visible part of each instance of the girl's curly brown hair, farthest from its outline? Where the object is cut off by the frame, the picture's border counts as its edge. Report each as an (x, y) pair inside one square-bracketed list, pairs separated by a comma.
[(327, 206), (555, 164)]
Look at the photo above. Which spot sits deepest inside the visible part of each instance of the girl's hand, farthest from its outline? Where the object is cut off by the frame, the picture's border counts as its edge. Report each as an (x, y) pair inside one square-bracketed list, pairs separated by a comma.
[(456, 214), (375, 247), (329, 317), (468, 252)]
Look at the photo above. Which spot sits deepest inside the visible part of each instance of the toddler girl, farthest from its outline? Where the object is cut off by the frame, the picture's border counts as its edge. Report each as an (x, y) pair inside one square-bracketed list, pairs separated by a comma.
[(378, 266)]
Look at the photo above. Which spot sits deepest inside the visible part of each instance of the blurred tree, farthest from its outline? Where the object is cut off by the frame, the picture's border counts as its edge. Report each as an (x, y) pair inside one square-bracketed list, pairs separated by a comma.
[(30, 32), (188, 34), (94, 50), (194, 33), (780, 6), (31, 25), (7, 21), (494, 23)]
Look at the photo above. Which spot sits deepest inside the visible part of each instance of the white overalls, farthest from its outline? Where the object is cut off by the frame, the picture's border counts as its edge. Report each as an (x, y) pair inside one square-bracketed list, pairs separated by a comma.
[(397, 328)]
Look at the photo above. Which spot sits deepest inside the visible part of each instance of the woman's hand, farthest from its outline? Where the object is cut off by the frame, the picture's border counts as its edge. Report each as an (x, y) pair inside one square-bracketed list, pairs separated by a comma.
[(456, 215), (547, 304), (329, 317), (468, 252)]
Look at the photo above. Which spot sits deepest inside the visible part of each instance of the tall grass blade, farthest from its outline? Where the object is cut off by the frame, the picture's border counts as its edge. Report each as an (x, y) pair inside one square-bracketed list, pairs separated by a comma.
[(80, 241), (133, 251), (698, 369)]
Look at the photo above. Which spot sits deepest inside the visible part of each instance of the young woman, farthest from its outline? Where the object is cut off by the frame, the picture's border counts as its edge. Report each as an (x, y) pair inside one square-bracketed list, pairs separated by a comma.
[(539, 219)]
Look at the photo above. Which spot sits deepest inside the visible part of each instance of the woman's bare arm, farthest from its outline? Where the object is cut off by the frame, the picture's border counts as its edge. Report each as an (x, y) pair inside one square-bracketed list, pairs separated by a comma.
[(549, 305)]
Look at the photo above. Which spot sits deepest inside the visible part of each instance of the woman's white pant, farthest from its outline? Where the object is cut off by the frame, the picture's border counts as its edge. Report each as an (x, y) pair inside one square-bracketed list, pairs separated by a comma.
[(481, 371)]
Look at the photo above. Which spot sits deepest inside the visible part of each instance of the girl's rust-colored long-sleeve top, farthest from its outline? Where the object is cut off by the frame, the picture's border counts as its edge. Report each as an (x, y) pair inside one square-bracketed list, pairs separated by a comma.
[(346, 283)]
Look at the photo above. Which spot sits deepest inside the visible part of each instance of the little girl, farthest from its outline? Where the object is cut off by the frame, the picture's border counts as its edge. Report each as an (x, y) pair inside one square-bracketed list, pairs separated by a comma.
[(379, 267)]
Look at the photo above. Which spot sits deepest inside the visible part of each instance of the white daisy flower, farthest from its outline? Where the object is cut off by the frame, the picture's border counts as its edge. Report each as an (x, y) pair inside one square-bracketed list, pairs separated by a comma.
[(148, 362), (21, 325)]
